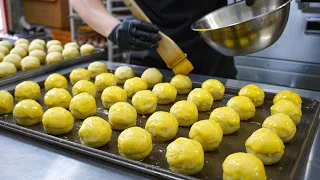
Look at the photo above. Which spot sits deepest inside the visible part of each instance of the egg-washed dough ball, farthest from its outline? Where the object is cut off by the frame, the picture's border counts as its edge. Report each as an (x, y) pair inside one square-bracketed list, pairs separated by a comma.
[(40, 54), (55, 81), (57, 121), (21, 40), (124, 73), (282, 125), (185, 156), (95, 132), (289, 108), (86, 49), (14, 59), (20, 51), (134, 85), (227, 118), (153, 76), (82, 106), (79, 74), (34, 46), (24, 46), (54, 58), (84, 86), (39, 41), (7, 44), (57, 97), (122, 116), (186, 112), (243, 106), (209, 134), (265, 145), (28, 112), (165, 92), (112, 95), (254, 93), (7, 69), (162, 126), (201, 98), (182, 83), (71, 44), (134, 143), (288, 95), (243, 166), (70, 53), (4, 50), (29, 63), (214, 87), (105, 80), (97, 68), (6, 102), (53, 42), (1, 56), (55, 48), (145, 102), (27, 90)]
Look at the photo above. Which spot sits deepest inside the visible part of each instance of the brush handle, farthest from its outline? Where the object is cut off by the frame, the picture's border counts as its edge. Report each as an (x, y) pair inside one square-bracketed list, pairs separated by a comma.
[(136, 11)]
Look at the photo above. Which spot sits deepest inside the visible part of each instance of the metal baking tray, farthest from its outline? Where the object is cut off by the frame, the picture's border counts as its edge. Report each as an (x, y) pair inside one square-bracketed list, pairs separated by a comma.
[(295, 156), (50, 68)]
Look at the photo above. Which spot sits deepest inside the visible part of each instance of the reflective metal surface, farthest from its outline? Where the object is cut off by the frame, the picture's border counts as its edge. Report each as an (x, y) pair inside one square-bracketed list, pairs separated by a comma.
[(237, 29)]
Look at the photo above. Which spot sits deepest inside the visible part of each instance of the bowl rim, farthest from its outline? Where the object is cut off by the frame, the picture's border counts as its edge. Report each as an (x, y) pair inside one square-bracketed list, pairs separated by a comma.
[(243, 1)]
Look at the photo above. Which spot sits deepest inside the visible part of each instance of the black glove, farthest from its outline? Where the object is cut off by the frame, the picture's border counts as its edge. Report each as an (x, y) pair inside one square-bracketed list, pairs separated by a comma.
[(133, 34), (249, 2)]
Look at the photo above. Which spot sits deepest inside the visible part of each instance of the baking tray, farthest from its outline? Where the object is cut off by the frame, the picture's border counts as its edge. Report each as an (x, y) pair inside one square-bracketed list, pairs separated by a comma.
[(295, 157), (50, 68)]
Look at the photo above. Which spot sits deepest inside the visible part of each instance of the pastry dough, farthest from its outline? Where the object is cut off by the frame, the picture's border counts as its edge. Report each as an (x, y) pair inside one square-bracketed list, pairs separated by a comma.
[(162, 126), (97, 68), (6, 102), (70, 53), (1, 56), (201, 98), (214, 87), (53, 42), (288, 95), (124, 73), (57, 121), (4, 50), (71, 44), (86, 49), (134, 143), (186, 112), (79, 74), (153, 76), (243, 106), (39, 41), (34, 46), (134, 85), (29, 63), (165, 92), (7, 69), (185, 156), (182, 83), (54, 58), (40, 54), (122, 116), (55, 48), (57, 97), (84, 86), (24, 46), (145, 102), (55, 81), (112, 95), (95, 132), (254, 93), (265, 145), (227, 118), (21, 40), (14, 59), (105, 80), (28, 112), (27, 90), (82, 106), (289, 108), (20, 51), (7, 44)]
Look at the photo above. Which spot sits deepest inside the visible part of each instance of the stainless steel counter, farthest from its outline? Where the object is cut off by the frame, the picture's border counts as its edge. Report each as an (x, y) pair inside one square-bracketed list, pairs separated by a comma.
[(25, 158)]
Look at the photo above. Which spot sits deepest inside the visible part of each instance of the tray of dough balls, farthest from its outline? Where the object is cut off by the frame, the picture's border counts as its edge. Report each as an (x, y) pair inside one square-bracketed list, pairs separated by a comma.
[(25, 59), (168, 127)]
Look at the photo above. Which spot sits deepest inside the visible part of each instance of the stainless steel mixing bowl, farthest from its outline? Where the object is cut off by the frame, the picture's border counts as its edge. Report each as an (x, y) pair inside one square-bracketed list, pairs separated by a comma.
[(237, 29)]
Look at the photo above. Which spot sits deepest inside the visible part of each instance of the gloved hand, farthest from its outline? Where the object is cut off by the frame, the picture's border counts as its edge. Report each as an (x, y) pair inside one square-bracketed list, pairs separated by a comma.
[(249, 2), (133, 34)]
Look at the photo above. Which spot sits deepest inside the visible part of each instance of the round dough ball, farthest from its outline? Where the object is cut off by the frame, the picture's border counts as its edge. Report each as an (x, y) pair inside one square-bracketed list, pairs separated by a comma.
[(97, 68), (84, 86), (122, 116), (20, 51), (243, 106), (185, 156), (4, 50), (71, 44), (207, 133), (24, 46), (95, 132), (182, 83), (7, 69), (29, 63), (40, 54), (57, 97), (162, 126), (34, 46), (53, 42), (282, 125), (289, 108), (186, 112), (112, 95), (86, 49), (70, 53), (54, 58), (165, 92), (21, 40), (227, 118), (57, 121), (1, 56), (82, 106), (254, 93), (55, 81), (14, 59), (105, 80), (124, 73), (6, 103), (201, 98), (79, 74), (39, 41), (134, 143), (214, 87), (134, 85), (55, 48), (27, 90), (145, 102), (288, 95), (243, 166), (7, 44), (28, 112), (153, 76)]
